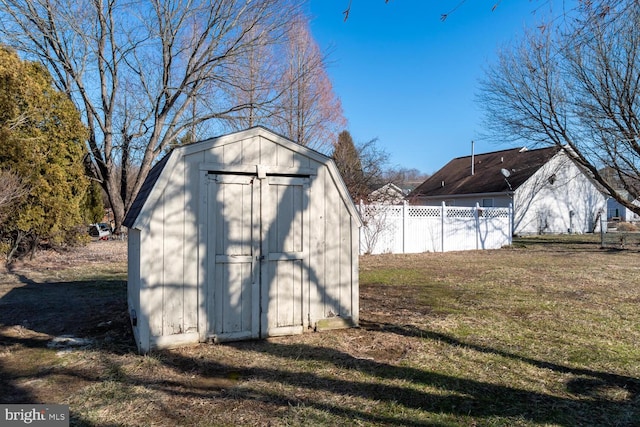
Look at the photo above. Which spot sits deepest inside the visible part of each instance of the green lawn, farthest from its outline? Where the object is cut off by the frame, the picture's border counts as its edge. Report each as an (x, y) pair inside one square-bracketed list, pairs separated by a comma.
[(544, 333)]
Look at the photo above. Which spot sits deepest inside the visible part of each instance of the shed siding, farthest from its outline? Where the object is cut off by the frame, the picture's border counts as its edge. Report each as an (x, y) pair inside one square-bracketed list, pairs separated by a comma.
[(317, 244), (355, 281), (170, 274), (334, 251), (190, 256), (344, 288), (192, 260), (133, 285), (173, 249)]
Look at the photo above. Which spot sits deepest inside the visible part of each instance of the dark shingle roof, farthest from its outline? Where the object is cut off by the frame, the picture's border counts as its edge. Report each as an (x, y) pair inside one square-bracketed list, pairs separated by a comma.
[(145, 190), (487, 178)]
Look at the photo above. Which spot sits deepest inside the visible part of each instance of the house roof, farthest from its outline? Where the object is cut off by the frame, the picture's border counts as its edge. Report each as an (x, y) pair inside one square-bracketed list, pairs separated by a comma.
[(387, 192), (455, 178)]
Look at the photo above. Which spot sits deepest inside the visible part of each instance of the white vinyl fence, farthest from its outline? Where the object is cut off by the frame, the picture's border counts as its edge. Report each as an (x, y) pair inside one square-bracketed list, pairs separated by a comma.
[(401, 229)]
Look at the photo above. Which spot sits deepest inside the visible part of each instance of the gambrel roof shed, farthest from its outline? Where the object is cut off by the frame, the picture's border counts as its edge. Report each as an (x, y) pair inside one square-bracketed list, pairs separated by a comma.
[(242, 236)]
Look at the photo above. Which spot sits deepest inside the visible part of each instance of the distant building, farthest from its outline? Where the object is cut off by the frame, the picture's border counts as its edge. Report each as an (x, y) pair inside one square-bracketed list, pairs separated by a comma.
[(548, 191), (388, 194)]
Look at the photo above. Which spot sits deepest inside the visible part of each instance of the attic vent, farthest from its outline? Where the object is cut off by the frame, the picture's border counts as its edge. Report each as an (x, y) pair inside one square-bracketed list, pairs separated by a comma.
[(523, 149)]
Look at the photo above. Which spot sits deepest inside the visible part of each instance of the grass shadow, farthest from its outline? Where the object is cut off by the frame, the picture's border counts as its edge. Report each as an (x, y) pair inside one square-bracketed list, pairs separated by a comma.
[(88, 309), (412, 388)]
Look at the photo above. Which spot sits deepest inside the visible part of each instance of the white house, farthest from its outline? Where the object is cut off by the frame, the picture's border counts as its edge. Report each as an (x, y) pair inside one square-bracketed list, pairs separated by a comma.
[(548, 191), (242, 236)]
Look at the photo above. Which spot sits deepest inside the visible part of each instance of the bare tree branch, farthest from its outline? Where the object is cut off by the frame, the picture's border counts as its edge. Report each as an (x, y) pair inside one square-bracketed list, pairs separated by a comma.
[(576, 84), (143, 74), (12, 190)]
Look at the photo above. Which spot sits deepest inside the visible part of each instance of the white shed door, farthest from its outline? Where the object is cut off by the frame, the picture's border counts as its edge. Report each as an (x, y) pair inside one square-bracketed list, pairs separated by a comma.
[(259, 232), (285, 225), (234, 232)]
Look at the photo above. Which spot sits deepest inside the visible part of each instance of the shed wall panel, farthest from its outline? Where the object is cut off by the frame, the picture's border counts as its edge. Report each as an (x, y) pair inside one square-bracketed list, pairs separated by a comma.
[(251, 151), (332, 251), (355, 280), (317, 242), (133, 269), (300, 161), (215, 155), (151, 266), (284, 156), (232, 153), (173, 202), (133, 280), (191, 259), (268, 152), (344, 263)]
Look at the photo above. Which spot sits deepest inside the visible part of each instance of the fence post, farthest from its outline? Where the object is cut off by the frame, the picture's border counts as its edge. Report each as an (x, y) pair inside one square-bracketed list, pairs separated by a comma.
[(442, 225), (603, 228), (476, 216), (511, 224), (361, 230), (405, 226)]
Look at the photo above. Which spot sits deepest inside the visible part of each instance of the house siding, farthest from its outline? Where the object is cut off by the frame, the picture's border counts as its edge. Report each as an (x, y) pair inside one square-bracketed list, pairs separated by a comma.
[(558, 198)]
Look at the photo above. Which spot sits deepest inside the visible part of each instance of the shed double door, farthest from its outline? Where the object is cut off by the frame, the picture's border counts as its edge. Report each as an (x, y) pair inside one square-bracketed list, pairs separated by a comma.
[(258, 250)]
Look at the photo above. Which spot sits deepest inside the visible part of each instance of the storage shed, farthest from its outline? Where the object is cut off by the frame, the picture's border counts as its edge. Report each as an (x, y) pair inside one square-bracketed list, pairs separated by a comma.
[(243, 236)]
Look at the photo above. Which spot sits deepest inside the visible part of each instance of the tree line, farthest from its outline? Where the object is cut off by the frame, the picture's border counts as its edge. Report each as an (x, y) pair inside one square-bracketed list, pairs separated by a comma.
[(145, 76), (93, 93), (44, 191)]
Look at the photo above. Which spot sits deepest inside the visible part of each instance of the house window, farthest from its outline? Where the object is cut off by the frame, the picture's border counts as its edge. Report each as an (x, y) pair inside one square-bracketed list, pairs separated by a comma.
[(487, 203)]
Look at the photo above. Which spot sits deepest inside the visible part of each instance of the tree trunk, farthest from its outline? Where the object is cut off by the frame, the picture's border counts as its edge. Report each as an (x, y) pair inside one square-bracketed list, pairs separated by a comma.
[(34, 247), (112, 187), (19, 236)]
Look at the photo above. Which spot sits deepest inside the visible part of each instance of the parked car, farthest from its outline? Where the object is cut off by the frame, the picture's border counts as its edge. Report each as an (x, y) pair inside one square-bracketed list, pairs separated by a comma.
[(101, 231)]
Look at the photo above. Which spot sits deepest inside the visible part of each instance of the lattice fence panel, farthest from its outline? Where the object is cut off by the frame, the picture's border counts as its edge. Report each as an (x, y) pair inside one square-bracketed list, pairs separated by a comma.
[(413, 229)]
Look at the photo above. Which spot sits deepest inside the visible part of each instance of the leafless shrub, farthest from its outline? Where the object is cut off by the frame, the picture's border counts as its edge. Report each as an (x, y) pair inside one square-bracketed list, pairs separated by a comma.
[(12, 189)]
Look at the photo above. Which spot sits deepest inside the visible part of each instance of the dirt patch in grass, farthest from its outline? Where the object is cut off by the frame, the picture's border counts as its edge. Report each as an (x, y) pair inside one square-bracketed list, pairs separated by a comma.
[(538, 334)]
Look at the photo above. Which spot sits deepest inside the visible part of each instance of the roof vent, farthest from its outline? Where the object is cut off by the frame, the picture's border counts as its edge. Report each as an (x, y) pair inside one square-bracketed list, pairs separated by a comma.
[(523, 149), (442, 184), (501, 159)]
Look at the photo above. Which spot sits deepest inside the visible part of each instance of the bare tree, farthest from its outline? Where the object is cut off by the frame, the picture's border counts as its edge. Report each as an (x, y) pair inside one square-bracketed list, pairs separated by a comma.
[(256, 83), (308, 111), (377, 223), (143, 74), (405, 178), (576, 83)]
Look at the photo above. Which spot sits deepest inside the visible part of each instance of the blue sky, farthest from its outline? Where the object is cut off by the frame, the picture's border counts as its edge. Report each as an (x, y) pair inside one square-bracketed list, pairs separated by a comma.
[(411, 80)]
